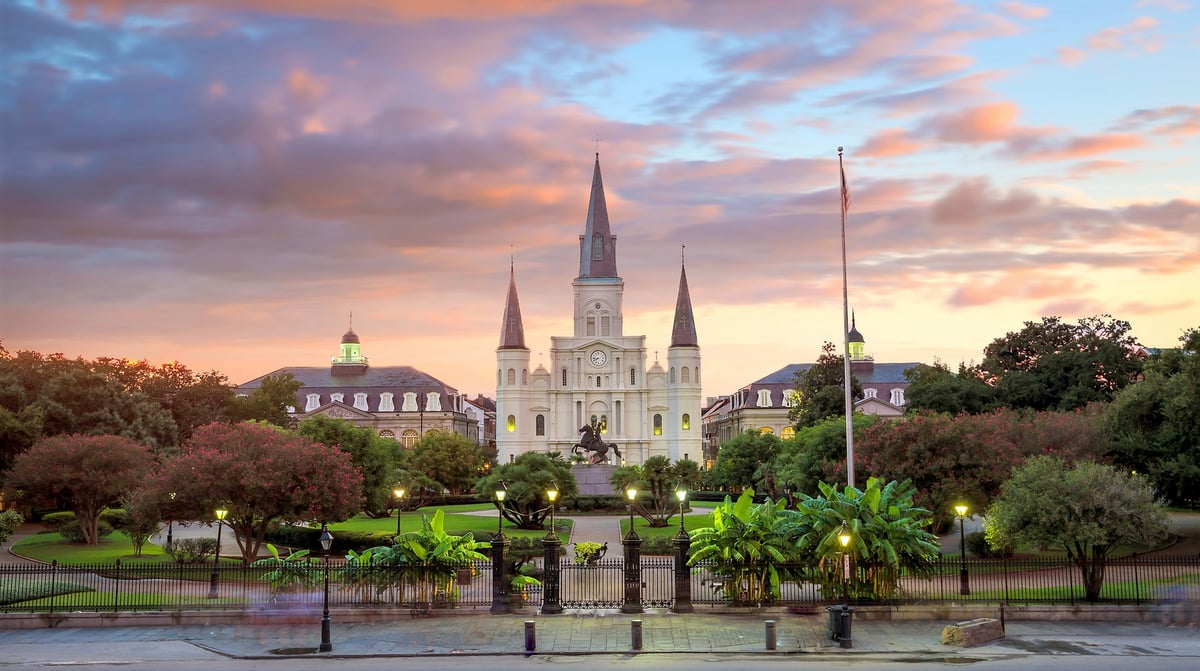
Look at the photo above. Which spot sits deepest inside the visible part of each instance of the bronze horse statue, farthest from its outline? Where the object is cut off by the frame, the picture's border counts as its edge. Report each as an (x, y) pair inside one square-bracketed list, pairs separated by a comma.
[(590, 442)]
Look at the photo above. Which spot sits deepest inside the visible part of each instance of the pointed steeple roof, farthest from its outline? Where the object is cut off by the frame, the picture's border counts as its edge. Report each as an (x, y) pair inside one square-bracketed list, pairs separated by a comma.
[(597, 246), (512, 330), (853, 335), (684, 332)]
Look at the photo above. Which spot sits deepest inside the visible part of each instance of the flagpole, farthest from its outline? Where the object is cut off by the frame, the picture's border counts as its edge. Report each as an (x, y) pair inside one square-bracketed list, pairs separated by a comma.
[(845, 197)]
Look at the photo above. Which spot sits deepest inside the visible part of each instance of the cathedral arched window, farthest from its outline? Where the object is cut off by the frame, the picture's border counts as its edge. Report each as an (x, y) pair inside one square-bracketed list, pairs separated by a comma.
[(564, 376), (512, 376), (387, 433), (658, 425), (512, 423), (686, 424), (409, 438), (524, 377), (597, 247), (672, 376), (685, 374), (540, 425), (597, 381), (632, 377), (603, 423)]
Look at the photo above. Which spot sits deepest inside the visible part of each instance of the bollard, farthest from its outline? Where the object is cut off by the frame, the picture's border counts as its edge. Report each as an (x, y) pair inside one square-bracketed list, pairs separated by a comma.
[(635, 631), (530, 636), (770, 626)]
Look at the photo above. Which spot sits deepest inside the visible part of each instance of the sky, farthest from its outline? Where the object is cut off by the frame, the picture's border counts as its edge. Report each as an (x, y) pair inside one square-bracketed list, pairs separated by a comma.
[(223, 183)]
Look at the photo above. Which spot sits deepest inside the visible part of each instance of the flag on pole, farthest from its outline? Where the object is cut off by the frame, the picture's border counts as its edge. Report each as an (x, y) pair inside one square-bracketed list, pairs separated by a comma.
[(845, 190)]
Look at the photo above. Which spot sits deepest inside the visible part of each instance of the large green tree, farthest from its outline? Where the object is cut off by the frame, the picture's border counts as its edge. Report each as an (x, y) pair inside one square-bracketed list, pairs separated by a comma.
[(1156, 423), (446, 457), (657, 480), (264, 475), (817, 454), (1086, 510), (937, 388), (1053, 365), (88, 472), (821, 390), (527, 478), (269, 402), (747, 461), (375, 457)]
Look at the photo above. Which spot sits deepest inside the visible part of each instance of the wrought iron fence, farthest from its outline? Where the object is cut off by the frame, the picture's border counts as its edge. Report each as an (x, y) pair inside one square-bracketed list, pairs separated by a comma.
[(135, 586)]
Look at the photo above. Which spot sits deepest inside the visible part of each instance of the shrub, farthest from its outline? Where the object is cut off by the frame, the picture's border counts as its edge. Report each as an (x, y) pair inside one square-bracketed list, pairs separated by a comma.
[(588, 551), (55, 520), (72, 532), (658, 545), (9, 521), (977, 545), (192, 550), (118, 518)]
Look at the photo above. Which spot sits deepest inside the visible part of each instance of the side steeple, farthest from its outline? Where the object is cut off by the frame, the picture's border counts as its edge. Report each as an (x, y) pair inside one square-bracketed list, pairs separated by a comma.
[(512, 330), (597, 245), (683, 334)]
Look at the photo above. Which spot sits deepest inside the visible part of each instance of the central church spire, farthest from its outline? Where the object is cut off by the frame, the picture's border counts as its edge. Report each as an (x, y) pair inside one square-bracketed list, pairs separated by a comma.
[(597, 245)]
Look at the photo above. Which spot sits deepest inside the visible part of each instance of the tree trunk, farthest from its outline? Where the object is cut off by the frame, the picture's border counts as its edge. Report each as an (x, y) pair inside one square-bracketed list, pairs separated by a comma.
[(1092, 570)]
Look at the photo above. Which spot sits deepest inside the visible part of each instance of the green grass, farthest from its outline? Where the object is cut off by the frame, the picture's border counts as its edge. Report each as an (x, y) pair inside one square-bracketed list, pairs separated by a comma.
[(691, 522), (1148, 590), (37, 590), (49, 546), (455, 523)]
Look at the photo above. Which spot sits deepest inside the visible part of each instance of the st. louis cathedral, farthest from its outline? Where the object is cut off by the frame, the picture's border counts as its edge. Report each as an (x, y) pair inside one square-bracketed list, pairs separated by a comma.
[(599, 376)]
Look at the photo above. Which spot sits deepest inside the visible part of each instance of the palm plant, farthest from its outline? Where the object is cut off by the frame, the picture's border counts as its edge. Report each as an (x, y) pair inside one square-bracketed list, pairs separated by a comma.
[(427, 560), (747, 545), (889, 535)]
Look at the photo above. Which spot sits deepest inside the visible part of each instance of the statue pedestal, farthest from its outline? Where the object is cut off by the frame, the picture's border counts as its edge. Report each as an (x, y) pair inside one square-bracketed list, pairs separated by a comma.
[(594, 478)]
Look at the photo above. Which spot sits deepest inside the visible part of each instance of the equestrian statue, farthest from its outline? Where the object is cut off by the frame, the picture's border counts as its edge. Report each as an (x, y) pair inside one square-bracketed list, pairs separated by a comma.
[(590, 442)]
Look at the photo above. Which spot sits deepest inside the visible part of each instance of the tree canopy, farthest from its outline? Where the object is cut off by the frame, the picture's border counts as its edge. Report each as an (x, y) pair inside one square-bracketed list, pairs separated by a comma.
[(448, 458), (817, 454), (527, 479), (1086, 510), (1156, 423), (656, 481), (374, 456), (264, 475), (937, 388), (1053, 365), (821, 390), (747, 461), (89, 472)]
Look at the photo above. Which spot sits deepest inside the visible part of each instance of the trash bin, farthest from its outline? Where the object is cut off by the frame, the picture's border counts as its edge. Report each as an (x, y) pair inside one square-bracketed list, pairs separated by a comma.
[(847, 622), (835, 622)]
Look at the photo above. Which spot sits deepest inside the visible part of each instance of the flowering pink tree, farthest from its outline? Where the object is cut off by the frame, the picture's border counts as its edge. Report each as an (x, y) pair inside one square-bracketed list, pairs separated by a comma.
[(90, 472), (263, 475)]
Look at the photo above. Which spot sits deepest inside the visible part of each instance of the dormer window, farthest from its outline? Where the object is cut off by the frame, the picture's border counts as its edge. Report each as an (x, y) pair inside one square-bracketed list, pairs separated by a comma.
[(410, 402), (360, 401), (764, 398), (897, 397), (314, 402), (433, 401), (340, 398), (386, 402), (870, 392)]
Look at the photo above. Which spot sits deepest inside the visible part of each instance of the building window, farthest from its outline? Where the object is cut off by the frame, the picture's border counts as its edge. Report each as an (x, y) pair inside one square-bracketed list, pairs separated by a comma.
[(597, 381), (605, 325), (672, 375), (512, 377), (314, 402), (409, 438), (410, 402), (686, 424), (685, 374), (632, 377), (386, 403), (764, 398), (433, 401), (564, 377), (539, 425), (788, 433), (524, 377), (790, 397), (897, 397), (597, 247), (512, 423), (337, 397), (658, 425), (591, 325), (360, 401), (387, 433), (763, 430), (603, 423), (870, 392)]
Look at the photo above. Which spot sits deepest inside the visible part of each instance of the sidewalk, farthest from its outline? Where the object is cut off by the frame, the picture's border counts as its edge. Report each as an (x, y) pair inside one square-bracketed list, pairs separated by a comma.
[(606, 632)]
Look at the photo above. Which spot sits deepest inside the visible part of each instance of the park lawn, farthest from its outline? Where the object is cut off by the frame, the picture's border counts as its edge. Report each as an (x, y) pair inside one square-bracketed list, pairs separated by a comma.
[(50, 546), (645, 531), (1109, 590), (455, 523)]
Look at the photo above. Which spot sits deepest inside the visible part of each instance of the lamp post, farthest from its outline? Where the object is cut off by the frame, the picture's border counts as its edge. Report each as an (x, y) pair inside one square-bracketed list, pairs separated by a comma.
[(399, 492), (683, 543), (633, 561), (500, 602), (964, 582), (171, 522), (846, 618), (787, 492), (221, 512), (326, 544), (552, 571)]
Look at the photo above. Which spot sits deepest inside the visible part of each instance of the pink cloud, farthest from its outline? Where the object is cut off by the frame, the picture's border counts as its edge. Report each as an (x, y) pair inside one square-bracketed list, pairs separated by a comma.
[(985, 123), (1071, 55), (1017, 284), (1077, 147), (891, 142), (1024, 11)]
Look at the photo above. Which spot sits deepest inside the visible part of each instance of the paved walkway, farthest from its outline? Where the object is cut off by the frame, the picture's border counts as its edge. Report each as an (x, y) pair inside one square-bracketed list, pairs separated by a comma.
[(595, 633)]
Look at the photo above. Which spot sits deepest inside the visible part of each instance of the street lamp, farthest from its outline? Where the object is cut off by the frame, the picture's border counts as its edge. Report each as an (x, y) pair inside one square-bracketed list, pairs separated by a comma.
[(399, 492), (326, 544), (681, 494), (552, 496), (845, 618), (501, 492), (964, 583), (631, 493), (171, 522), (221, 512), (787, 492)]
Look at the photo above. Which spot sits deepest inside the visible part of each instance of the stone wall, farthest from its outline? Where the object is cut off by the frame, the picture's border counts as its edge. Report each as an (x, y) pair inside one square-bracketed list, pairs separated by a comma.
[(594, 479)]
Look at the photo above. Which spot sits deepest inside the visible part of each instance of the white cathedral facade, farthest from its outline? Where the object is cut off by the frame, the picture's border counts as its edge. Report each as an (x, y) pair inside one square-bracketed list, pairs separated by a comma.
[(599, 376)]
